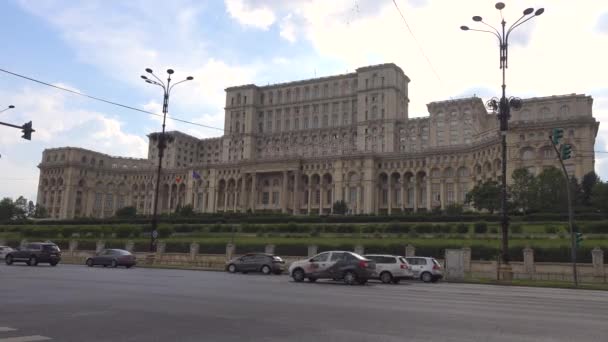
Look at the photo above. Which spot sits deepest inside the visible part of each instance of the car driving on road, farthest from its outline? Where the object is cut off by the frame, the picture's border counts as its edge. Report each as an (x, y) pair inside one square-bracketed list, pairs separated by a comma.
[(426, 269), (390, 268), (35, 253), (112, 258), (256, 262), (338, 265)]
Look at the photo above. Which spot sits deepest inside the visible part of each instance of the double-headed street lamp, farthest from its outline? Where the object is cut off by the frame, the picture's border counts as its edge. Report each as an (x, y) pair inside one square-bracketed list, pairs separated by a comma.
[(504, 106), (162, 140)]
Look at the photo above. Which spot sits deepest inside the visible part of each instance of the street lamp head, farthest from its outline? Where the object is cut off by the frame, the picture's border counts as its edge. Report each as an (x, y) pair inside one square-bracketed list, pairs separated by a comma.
[(499, 6), (189, 78), (528, 11), (477, 18), (148, 81), (464, 28), (144, 77), (11, 106), (148, 70), (170, 71), (539, 11)]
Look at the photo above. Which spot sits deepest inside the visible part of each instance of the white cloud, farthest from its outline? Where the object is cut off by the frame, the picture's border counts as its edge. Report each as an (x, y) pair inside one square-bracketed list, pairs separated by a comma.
[(288, 29), (261, 18)]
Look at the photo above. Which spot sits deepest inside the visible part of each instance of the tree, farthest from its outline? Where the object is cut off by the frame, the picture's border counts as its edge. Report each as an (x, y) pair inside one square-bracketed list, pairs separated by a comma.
[(599, 196), (40, 211), (186, 210), (485, 196), (453, 209), (523, 190), (31, 209), (7, 209), (126, 212), (587, 184), (340, 207), (552, 195), (20, 208)]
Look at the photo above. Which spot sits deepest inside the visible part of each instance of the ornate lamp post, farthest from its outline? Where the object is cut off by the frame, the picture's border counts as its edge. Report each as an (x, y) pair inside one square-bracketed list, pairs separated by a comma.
[(503, 106), (162, 141)]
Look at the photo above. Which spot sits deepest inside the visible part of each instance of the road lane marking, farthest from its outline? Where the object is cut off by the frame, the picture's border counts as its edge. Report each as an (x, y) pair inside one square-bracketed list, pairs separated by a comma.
[(4, 329), (25, 338)]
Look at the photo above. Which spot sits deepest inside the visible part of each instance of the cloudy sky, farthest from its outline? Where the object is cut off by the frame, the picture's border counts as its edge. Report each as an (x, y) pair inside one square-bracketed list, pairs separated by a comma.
[(102, 47)]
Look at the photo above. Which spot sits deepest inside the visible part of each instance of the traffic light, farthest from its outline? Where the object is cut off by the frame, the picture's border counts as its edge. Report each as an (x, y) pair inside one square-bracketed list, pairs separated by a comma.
[(566, 151), (27, 131), (557, 134), (578, 239)]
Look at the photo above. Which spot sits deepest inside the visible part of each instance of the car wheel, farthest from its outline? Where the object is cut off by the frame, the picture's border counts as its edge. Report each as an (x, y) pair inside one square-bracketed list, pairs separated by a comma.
[(350, 278), (104, 265), (90, 262), (54, 263), (129, 266), (312, 279), (9, 259), (426, 277), (298, 275), (32, 261), (386, 277), (266, 269), (232, 268), (434, 280), (396, 281), (114, 264)]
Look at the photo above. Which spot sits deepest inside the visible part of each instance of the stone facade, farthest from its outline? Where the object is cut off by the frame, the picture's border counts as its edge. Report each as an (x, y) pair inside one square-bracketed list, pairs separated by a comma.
[(299, 147)]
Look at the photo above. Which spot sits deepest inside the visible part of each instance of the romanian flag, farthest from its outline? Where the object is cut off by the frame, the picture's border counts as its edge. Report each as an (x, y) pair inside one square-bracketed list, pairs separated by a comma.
[(196, 175), (178, 179)]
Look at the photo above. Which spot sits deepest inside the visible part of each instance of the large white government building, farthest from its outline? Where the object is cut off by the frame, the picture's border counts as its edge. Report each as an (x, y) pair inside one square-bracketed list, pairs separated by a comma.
[(298, 147)]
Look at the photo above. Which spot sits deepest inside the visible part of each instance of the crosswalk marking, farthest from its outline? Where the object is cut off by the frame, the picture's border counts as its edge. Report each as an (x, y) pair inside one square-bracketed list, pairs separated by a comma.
[(4, 329), (25, 338)]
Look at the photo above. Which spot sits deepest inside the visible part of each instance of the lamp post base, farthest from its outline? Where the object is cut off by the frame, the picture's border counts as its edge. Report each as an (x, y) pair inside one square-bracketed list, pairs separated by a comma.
[(505, 273)]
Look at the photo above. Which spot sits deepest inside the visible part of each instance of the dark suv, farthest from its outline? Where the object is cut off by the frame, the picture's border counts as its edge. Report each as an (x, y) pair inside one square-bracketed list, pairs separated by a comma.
[(34, 253)]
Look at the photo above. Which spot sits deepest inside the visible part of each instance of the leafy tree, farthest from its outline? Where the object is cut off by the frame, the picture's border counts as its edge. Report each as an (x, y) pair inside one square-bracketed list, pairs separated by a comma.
[(524, 190), (31, 209), (587, 184), (340, 207), (454, 209), (552, 191), (186, 210), (7, 209), (20, 208), (485, 196), (40, 211), (599, 196), (126, 212)]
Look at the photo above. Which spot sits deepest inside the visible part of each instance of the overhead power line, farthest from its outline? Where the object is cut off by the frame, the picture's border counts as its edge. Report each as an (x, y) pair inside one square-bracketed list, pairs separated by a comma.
[(107, 101)]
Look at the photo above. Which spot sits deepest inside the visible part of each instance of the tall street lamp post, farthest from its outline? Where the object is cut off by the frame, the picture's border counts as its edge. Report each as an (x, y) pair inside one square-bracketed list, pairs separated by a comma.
[(504, 106), (161, 140)]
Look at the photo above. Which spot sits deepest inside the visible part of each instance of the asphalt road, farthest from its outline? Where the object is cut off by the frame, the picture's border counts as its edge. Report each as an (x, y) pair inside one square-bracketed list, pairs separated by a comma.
[(76, 303)]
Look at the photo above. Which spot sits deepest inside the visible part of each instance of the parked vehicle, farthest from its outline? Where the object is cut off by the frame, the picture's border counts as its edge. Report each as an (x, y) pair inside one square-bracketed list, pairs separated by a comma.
[(337, 265), (256, 262), (390, 268), (112, 258), (4, 250), (426, 269), (34, 253)]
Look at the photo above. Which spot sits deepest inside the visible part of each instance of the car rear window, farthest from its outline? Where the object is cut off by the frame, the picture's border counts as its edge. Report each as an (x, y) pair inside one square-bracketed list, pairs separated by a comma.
[(379, 259), (52, 248), (276, 258), (121, 252), (403, 261), (436, 262)]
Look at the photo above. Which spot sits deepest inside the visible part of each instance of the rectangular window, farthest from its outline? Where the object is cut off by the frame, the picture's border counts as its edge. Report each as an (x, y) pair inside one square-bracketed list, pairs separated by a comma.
[(275, 197), (265, 197)]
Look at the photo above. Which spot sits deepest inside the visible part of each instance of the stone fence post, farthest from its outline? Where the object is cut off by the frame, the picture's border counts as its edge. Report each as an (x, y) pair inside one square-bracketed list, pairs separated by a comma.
[(529, 267), (194, 248), (160, 247), (73, 246), (312, 250), (23, 243), (230, 249), (99, 246), (269, 249), (359, 249), (410, 251), (467, 259), (2, 242), (597, 257), (129, 246)]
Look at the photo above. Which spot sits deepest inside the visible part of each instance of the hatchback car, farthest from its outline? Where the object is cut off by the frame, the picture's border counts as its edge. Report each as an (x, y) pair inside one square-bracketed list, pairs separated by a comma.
[(390, 268), (337, 265), (112, 258), (4, 250), (34, 253), (256, 262), (426, 269)]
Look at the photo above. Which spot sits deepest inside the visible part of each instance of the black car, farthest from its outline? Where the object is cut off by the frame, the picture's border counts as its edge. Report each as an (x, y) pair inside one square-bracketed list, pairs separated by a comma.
[(112, 258), (256, 262), (34, 253)]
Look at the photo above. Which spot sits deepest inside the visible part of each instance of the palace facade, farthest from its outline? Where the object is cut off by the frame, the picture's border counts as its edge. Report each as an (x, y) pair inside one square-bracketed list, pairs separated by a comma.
[(299, 147)]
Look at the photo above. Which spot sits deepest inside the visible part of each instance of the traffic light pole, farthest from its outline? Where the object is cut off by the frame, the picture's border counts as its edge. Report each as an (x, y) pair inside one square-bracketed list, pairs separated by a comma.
[(26, 128), (570, 213)]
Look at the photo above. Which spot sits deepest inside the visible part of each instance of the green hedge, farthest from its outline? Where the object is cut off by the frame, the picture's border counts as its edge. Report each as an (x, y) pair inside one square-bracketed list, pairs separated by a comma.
[(177, 247)]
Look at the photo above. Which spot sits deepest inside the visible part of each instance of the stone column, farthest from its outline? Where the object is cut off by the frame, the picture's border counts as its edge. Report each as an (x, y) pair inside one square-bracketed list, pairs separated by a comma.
[(597, 257), (234, 200), (404, 186), (415, 194), (390, 194), (333, 197), (321, 193), (226, 198), (284, 193), (360, 199), (269, 249), (309, 195), (73, 246), (529, 261), (170, 199), (457, 192), (467, 259), (442, 194), (194, 248), (230, 249), (359, 249), (99, 246), (129, 245), (410, 251), (312, 250), (253, 191), (428, 194), (160, 248), (296, 192)]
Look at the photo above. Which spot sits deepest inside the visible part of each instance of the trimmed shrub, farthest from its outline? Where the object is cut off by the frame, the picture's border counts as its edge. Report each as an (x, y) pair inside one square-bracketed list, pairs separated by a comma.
[(516, 228), (215, 248), (87, 245), (291, 250), (480, 227), (462, 228), (550, 229), (117, 244), (177, 247), (164, 232), (423, 228)]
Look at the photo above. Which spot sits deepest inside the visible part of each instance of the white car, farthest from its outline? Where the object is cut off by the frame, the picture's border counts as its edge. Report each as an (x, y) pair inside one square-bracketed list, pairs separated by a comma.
[(4, 250), (337, 265), (390, 268), (426, 269)]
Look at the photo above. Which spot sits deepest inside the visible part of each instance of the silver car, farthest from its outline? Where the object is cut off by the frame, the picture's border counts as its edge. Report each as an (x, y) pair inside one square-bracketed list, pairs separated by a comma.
[(390, 268), (4, 250), (425, 269)]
